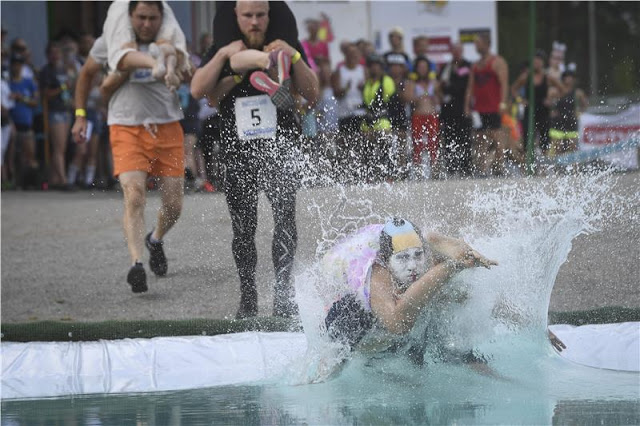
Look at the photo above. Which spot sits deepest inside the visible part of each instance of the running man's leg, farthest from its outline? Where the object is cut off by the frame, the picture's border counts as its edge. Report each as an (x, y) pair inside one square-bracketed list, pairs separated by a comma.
[(283, 246), (281, 178), (241, 190), (133, 185), (171, 190)]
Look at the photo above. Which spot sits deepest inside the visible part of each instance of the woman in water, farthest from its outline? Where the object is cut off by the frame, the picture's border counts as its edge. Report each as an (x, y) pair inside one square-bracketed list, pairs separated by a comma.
[(386, 274)]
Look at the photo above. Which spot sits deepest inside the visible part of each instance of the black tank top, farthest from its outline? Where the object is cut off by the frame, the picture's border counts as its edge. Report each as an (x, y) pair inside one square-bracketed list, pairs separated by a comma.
[(539, 93)]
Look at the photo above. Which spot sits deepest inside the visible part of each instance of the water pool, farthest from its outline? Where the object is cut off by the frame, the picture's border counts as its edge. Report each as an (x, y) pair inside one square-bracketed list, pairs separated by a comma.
[(366, 393)]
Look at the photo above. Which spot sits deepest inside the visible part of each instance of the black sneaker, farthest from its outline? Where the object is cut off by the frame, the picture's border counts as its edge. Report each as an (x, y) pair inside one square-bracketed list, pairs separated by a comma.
[(247, 311), (157, 259), (137, 278)]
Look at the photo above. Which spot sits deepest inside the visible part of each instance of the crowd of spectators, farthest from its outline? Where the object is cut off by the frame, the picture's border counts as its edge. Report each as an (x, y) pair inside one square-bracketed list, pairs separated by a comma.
[(392, 115), (381, 115)]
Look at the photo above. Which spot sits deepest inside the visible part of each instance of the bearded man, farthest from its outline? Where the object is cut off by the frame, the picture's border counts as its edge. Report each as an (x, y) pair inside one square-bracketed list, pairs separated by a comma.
[(250, 73)]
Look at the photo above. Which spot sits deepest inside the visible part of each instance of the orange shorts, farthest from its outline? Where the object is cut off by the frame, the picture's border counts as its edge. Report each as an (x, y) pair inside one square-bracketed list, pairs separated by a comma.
[(159, 153)]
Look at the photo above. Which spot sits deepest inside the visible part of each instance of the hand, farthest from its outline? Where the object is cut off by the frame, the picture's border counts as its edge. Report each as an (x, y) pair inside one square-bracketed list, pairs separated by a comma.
[(467, 111), (279, 45), (555, 342), (79, 130), (470, 258), (503, 107), (234, 47)]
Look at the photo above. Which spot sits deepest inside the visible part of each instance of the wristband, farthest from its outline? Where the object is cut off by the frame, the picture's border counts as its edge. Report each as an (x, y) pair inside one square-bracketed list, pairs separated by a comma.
[(295, 58), (237, 78), (80, 112)]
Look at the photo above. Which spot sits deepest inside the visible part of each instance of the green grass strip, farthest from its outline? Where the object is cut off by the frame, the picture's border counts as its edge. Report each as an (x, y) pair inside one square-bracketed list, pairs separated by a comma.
[(56, 331), (62, 331), (607, 315)]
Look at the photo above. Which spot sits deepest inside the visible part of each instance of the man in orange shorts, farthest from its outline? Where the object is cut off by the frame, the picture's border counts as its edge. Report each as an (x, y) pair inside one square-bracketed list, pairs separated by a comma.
[(146, 139)]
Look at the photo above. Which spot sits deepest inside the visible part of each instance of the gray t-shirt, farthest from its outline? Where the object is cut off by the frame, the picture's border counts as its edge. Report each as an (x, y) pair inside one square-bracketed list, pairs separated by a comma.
[(142, 99)]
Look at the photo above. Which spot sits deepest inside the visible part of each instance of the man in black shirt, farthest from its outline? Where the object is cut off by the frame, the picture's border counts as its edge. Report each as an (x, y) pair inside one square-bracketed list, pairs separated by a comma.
[(455, 127), (259, 140)]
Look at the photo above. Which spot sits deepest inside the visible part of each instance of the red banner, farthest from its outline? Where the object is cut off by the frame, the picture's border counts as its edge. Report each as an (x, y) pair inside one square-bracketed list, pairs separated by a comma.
[(604, 135)]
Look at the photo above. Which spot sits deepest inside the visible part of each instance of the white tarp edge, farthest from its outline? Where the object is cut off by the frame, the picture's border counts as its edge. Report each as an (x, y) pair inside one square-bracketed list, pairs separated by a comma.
[(612, 346), (49, 369)]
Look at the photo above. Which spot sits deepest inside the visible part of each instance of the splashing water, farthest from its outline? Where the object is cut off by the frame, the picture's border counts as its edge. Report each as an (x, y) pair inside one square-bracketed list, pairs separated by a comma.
[(499, 315)]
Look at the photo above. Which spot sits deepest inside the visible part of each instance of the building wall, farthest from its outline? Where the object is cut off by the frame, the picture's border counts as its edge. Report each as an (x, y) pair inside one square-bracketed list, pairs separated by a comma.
[(182, 10), (27, 20), (352, 20)]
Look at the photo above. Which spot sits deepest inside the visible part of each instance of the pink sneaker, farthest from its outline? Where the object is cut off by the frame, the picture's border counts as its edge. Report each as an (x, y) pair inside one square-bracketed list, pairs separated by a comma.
[(281, 62), (280, 96), (284, 67)]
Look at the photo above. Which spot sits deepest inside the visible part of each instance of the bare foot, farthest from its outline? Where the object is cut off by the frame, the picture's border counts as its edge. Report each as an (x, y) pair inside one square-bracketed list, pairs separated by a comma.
[(172, 81)]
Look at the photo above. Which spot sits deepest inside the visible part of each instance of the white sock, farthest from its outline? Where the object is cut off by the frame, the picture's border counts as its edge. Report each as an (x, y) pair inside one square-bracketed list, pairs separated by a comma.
[(90, 173), (72, 174)]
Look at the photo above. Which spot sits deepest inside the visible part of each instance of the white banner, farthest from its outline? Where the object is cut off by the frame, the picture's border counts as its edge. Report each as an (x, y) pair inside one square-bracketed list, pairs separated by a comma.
[(603, 133)]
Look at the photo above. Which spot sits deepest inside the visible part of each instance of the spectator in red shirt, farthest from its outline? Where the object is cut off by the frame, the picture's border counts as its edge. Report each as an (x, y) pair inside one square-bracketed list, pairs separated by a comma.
[(488, 88)]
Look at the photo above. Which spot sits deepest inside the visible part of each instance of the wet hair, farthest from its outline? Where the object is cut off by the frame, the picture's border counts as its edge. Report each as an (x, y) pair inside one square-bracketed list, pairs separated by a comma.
[(386, 242), (134, 3)]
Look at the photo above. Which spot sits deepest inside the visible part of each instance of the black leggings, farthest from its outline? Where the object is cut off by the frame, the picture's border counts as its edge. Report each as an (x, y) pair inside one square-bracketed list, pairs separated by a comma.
[(541, 125), (275, 173)]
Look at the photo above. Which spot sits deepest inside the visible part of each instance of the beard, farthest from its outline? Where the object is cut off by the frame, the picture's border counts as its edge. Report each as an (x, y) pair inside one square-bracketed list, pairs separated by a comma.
[(255, 40)]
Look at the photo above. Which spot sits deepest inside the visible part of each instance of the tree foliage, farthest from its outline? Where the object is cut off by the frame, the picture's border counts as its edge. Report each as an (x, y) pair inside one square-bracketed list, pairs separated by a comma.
[(617, 39)]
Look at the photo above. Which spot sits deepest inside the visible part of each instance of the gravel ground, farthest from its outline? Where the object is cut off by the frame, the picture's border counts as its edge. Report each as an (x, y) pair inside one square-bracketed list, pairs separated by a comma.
[(64, 257)]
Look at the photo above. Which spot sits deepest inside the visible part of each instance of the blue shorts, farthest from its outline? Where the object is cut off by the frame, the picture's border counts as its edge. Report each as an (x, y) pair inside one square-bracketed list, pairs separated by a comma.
[(56, 117)]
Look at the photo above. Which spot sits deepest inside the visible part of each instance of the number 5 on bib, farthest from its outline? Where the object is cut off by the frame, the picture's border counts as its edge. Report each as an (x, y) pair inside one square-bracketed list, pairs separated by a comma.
[(256, 118)]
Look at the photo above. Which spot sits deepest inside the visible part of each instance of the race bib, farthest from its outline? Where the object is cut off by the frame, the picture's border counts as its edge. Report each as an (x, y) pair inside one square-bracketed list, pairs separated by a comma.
[(142, 75), (256, 118)]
